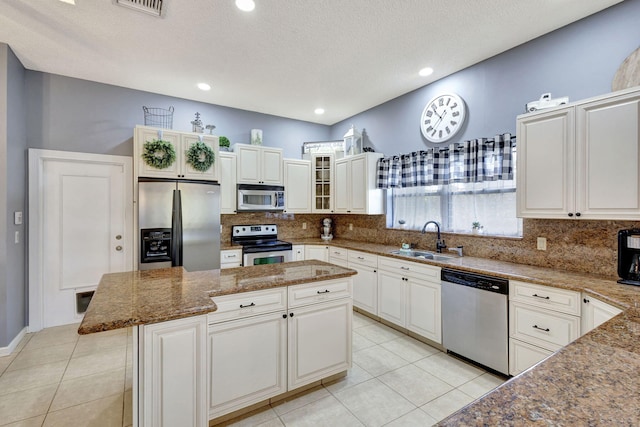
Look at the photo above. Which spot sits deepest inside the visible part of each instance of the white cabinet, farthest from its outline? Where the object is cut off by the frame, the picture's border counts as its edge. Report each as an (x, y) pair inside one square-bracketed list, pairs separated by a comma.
[(409, 295), (319, 252), (248, 362), (355, 191), (365, 283), (595, 313), (230, 258), (259, 165), (298, 252), (339, 257), (172, 368), (297, 186), (228, 190), (542, 319), (581, 161), (322, 188), (181, 142), (320, 317)]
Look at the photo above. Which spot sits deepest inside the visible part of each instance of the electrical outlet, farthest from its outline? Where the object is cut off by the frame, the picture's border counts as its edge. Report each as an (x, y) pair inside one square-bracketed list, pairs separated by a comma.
[(350, 226), (17, 239), (542, 243), (304, 225)]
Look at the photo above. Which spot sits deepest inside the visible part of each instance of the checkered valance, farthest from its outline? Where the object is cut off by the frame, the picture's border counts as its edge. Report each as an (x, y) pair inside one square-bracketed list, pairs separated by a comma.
[(477, 160)]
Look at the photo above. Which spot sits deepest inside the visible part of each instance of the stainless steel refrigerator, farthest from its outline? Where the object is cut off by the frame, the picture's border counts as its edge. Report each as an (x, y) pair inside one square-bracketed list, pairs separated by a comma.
[(178, 224)]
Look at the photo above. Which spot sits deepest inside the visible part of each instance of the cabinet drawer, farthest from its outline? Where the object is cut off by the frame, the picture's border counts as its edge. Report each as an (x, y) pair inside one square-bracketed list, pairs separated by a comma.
[(545, 328), (414, 269), (545, 296), (522, 356), (311, 293), (231, 256), (363, 258), (248, 304), (338, 253)]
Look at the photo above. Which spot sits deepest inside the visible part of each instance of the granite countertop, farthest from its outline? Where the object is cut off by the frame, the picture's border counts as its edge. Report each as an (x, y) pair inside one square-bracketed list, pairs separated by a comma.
[(142, 297), (594, 380)]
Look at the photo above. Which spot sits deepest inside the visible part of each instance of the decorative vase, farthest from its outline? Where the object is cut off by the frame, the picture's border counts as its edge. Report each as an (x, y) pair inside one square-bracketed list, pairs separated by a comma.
[(256, 136)]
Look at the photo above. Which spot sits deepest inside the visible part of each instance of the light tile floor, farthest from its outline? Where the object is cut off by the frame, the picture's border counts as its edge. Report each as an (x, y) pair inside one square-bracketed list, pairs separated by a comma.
[(57, 378)]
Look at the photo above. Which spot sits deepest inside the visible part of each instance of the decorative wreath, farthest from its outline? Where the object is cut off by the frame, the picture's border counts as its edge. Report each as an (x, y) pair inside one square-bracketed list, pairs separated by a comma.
[(200, 156), (159, 154)]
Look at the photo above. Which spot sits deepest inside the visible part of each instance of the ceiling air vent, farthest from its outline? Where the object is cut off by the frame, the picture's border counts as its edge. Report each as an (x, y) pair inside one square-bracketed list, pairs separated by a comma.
[(153, 7)]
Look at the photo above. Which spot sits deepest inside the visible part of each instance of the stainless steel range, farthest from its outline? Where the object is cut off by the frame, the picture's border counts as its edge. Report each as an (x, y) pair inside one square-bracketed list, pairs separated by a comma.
[(260, 244)]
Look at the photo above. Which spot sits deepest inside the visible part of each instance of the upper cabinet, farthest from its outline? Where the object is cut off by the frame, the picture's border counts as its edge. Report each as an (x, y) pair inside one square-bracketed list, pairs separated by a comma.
[(259, 165), (228, 191), (581, 161), (355, 190), (181, 143), (322, 191), (297, 186)]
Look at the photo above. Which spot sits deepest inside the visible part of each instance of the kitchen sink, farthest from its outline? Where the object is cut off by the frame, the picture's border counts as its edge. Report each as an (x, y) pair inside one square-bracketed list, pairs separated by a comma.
[(422, 255)]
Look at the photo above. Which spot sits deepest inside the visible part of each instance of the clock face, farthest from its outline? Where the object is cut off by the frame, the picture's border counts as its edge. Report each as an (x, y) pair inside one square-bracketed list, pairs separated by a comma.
[(442, 118)]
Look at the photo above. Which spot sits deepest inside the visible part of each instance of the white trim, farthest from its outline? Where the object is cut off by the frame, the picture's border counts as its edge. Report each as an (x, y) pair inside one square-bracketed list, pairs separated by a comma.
[(6, 351), (36, 160)]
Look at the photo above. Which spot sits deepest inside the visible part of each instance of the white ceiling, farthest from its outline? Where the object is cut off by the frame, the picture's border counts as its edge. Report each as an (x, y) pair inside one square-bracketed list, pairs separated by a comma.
[(287, 57)]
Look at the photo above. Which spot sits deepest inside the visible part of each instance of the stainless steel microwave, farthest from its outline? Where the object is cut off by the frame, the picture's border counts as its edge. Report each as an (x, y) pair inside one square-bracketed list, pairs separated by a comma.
[(253, 197)]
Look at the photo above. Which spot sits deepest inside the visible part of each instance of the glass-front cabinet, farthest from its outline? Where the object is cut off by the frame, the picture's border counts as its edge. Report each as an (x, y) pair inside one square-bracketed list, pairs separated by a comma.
[(322, 195)]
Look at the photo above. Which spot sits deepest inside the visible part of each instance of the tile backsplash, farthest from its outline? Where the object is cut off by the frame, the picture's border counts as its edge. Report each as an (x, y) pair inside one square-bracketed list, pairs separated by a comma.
[(582, 246)]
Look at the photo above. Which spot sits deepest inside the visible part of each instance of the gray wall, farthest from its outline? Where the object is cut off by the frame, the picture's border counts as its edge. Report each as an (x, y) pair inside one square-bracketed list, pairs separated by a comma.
[(78, 115), (578, 61), (13, 144)]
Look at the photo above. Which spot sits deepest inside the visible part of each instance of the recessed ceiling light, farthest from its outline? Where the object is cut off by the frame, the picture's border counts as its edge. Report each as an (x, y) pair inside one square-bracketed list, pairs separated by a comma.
[(245, 5), (73, 2), (426, 71), (319, 111), (204, 86)]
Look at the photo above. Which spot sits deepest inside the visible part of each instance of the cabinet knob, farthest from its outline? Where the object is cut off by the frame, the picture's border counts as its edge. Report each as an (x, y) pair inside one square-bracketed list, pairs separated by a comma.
[(284, 316), (118, 248), (118, 237), (570, 214), (577, 213), (290, 314), (586, 301)]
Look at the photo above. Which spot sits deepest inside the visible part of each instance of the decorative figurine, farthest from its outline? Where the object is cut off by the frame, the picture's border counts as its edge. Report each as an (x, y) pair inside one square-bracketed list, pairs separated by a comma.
[(197, 124)]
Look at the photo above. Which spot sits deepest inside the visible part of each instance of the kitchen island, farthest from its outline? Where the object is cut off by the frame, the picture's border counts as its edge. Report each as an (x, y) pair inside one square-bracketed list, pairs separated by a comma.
[(182, 344)]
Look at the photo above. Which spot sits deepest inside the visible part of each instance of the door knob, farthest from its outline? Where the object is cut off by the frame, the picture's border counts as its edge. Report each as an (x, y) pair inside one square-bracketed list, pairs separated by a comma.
[(118, 237), (118, 248)]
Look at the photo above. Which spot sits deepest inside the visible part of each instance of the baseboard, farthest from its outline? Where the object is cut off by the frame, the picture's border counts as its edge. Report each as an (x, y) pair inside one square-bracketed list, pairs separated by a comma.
[(6, 351)]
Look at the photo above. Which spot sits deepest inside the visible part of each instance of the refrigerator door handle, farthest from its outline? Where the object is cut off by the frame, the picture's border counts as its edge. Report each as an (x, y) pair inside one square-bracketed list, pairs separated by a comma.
[(176, 230)]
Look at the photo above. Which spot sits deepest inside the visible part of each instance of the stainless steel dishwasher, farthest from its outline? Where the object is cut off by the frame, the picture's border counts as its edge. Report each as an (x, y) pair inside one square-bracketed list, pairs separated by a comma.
[(475, 319)]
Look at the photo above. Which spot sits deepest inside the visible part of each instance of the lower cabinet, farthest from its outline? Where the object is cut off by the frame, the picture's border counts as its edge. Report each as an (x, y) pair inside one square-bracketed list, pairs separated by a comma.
[(319, 341), (265, 343), (230, 258), (424, 315), (298, 252), (391, 297), (365, 283), (172, 370), (248, 361), (319, 252), (339, 257), (595, 313)]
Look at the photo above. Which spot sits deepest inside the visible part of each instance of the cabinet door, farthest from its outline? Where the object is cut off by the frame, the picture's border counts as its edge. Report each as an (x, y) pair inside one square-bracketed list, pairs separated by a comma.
[(365, 288), (173, 369), (272, 166), (247, 362), (298, 252), (358, 185), (322, 187), (341, 200), (545, 165), (608, 158), (319, 341), (391, 297), (143, 135), (249, 164), (522, 356), (297, 176), (228, 190), (188, 172), (595, 313), (424, 309), (320, 253), (231, 258)]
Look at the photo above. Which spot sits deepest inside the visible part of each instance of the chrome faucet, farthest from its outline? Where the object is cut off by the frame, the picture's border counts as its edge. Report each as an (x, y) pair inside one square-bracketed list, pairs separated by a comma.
[(440, 245)]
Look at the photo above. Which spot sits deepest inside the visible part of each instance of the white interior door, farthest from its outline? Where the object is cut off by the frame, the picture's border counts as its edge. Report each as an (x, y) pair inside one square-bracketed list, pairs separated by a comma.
[(81, 226)]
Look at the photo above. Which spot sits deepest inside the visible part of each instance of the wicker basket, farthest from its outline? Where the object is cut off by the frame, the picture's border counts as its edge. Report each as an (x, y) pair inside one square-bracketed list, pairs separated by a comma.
[(158, 117)]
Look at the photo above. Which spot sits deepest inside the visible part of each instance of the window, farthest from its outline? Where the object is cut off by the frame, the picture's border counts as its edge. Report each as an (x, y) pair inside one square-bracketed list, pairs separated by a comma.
[(461, 186)]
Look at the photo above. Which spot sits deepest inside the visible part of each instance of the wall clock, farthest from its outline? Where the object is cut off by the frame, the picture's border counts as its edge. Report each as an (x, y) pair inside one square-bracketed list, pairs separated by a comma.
[(442, 118)]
